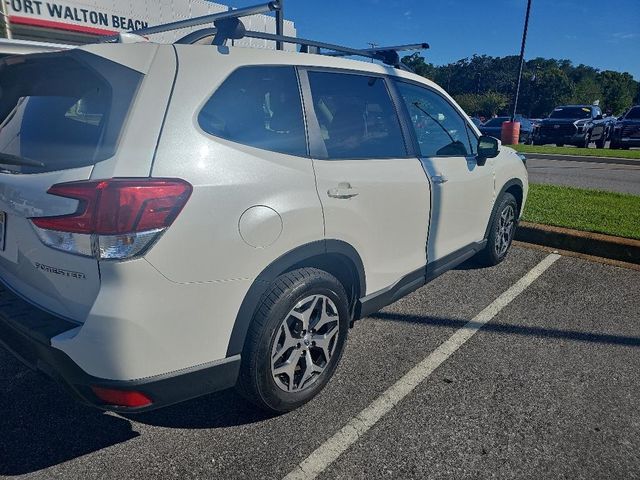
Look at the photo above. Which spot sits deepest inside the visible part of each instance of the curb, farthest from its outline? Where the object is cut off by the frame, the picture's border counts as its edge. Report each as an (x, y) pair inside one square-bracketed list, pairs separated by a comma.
[(581, 158), (588, 243)]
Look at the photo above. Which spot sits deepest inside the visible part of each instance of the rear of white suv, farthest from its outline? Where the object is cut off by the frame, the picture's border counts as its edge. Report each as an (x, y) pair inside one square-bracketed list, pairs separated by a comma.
[(182, 218), (77, 140)]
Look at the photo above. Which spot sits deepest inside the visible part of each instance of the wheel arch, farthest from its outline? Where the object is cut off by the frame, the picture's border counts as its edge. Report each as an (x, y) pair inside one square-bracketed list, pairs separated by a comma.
[(333, 256), (515, 188)]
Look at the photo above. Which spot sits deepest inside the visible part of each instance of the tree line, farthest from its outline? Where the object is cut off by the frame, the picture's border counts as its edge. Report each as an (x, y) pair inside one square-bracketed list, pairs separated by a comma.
[(485, 85)]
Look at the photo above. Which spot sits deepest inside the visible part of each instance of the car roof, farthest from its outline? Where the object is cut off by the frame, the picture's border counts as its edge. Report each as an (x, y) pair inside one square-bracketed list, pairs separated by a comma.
[(125, 53)]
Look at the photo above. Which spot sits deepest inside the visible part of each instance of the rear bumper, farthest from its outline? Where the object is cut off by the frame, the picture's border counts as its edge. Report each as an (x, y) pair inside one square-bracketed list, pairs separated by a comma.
[(626, 141), (26, 332)]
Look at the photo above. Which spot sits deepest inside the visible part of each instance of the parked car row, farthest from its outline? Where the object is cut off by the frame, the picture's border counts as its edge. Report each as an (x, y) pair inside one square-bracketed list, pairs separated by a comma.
[(578, 125), (626, 131), (493, 128)]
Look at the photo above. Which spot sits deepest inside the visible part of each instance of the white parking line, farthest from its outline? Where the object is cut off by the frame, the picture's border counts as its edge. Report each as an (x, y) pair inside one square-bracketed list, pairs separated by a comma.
[(330, 450)]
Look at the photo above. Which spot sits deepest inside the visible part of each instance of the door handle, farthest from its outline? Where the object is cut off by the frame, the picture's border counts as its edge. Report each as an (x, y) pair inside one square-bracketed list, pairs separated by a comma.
[(344, 190), (439, 179)]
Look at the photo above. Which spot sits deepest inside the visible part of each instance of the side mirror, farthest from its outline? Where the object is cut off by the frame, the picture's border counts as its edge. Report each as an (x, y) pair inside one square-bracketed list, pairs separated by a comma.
[(488, 147)]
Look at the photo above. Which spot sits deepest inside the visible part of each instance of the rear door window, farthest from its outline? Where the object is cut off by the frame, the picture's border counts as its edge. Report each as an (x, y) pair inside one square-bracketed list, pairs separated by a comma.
[(62, 110), (356, 115), (259, 106)]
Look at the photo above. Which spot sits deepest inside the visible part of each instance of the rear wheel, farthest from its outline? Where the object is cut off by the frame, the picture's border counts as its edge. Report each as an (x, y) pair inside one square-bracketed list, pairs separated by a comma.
[(501, 232), (295, 340)]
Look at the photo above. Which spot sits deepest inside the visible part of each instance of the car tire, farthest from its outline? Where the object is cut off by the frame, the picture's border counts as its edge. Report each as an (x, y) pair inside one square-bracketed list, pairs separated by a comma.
[(501, 232), (287, 359)]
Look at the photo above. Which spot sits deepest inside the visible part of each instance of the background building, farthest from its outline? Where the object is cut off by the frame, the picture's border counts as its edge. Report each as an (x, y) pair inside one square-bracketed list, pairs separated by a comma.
[(84, 21)]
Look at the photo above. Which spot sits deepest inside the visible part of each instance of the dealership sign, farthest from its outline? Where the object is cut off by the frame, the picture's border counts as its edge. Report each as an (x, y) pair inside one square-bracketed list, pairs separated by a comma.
[(99, 17), (75, 16)]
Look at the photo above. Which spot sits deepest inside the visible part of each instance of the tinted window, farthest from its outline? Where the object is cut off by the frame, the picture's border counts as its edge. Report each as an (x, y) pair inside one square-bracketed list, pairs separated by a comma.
[(356, 116), (64, 110), (260, 107), (633, 114), (571, 112), (496, 122), (440, 129)]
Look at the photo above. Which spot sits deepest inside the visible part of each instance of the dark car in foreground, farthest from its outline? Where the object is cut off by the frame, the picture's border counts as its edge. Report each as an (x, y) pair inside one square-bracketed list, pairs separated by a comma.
[(626, 131), (493, 128), (577, 125)]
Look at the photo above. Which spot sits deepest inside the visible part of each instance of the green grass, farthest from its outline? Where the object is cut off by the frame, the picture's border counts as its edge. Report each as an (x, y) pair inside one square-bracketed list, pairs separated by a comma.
[(589, 152), (589, 210)]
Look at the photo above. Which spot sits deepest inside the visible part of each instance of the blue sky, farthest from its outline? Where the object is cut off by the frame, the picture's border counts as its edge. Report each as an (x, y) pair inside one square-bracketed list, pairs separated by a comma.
[(601, 33)]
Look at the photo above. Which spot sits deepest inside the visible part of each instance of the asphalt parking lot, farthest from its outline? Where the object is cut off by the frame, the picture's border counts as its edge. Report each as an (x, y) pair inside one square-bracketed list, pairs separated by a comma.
[(548, 388)]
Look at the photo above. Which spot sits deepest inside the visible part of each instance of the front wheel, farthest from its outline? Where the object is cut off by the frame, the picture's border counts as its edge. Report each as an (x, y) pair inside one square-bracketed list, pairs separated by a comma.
[(501, 232), (295, 341)]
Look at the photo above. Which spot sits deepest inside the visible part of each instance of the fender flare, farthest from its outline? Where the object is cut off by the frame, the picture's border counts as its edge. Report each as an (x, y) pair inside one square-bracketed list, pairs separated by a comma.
[(508, 184), (276, 268)]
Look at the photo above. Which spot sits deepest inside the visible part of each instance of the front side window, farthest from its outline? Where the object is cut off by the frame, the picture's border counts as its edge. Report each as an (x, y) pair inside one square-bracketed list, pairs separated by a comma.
[(356, 115), (258, 106), (440, 129)]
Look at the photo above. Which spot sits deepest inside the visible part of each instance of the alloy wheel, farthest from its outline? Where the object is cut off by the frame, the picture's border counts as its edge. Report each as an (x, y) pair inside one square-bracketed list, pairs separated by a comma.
[(304, 343), (506, 228)]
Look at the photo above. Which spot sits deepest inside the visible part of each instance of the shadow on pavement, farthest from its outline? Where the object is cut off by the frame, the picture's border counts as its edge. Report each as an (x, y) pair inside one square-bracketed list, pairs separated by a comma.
[(41, 425), (218, 410), (515, 329)]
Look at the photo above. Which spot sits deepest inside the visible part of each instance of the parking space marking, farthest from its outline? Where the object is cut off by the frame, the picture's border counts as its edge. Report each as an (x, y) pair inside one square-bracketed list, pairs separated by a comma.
[(330, 450)]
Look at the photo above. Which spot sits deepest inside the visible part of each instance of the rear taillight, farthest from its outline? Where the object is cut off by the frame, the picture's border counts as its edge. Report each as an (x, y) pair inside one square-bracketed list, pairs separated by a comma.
[(116, 218), (122, 398)]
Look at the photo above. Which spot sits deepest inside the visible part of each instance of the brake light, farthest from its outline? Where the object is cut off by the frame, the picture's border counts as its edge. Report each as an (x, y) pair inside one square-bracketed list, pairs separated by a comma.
[(122, 398), (116, 218)]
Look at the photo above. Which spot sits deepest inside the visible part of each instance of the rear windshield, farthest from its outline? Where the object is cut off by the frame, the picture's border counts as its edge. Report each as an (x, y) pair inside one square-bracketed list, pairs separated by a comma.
[(63, 110), (633, 114), (571, 112), (496, 122)]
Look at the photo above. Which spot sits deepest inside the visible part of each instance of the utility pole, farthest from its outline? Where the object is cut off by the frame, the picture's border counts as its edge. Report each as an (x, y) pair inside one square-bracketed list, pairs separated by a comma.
[(524, 42), (5, 20)]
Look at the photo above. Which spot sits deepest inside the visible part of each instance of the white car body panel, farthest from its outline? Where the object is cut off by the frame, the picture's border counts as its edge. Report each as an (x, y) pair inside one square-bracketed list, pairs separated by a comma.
[(467, 184), (176, 307), (376, 221)]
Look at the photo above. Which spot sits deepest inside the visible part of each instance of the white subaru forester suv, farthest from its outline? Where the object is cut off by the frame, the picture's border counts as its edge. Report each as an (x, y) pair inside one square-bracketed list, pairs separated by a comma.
[(179, 219)]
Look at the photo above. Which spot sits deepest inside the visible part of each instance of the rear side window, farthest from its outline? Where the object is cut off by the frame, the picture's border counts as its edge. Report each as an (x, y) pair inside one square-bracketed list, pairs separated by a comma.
[(258, 106), (64, 110), (440, 129), (356, 116)]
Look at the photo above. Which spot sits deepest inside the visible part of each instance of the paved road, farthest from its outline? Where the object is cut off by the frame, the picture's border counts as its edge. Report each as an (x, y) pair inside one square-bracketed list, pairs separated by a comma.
[(549, 388), (584, 172)]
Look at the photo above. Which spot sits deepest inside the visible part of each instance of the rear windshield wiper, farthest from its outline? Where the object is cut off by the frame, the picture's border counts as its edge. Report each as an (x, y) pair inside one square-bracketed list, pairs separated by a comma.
[(8, 159)]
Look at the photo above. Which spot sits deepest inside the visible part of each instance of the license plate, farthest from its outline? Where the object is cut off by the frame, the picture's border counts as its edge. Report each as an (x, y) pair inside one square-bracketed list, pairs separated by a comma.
[(3, 229)]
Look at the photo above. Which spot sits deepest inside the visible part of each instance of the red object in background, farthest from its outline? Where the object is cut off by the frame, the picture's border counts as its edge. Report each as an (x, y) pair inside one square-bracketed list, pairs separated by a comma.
[(510, 133)]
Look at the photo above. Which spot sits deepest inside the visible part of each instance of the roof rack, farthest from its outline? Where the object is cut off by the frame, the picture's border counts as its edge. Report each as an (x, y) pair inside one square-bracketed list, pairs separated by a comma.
[(228, 26)]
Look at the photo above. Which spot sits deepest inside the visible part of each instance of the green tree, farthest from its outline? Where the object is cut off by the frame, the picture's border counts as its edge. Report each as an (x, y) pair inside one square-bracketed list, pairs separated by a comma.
[(546, 83), (618, 89)]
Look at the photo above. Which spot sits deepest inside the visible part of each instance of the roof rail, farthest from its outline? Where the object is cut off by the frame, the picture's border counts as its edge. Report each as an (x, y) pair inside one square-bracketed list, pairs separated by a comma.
[(197, 21), (228, 26)]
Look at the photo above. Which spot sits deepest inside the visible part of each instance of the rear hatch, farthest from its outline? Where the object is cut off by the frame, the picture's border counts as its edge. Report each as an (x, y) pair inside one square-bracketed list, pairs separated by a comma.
[(60, 114)]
